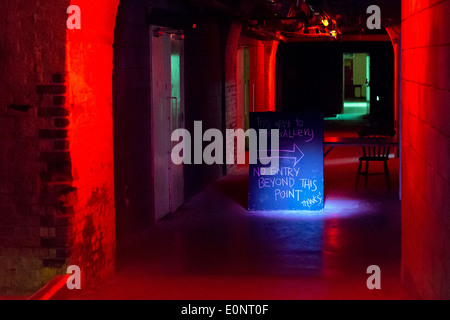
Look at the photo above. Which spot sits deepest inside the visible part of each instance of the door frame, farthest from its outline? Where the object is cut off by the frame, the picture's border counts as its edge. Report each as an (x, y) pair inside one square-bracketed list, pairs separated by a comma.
[(165, 174)]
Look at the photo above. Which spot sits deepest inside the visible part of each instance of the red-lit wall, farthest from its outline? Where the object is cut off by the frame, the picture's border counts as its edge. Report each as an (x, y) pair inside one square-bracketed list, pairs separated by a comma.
[(56, 175), (261, 86), (425, 101), (89, 63), (270, 56)]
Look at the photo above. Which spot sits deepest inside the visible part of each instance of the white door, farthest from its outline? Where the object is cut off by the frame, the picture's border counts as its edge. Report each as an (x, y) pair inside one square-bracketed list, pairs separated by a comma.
[(167, 115)]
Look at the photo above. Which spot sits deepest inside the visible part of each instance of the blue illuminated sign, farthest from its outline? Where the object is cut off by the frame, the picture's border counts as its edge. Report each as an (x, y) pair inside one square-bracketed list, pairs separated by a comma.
[(297, 182)]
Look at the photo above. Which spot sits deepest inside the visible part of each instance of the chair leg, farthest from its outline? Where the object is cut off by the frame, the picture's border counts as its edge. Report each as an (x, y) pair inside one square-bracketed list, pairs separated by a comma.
[(366, 174), (357, 175), (386, 174)]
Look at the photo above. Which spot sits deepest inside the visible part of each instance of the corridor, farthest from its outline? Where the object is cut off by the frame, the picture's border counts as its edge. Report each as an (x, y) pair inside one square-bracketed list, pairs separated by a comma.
[(101, 100), (213, 248)]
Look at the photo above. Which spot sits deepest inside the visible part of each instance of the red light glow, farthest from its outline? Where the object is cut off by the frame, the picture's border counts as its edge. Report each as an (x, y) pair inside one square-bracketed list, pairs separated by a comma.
[(89, 67)]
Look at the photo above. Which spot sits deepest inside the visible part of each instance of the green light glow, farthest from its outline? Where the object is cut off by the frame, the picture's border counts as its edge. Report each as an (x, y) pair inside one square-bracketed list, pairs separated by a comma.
[(355, 104)]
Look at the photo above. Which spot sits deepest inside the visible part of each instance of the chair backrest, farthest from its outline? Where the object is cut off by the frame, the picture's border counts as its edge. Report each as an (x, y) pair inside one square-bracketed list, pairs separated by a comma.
[(376, 152)]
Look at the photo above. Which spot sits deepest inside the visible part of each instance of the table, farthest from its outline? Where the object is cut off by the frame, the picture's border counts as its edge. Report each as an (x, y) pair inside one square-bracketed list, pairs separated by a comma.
[(358, 142)]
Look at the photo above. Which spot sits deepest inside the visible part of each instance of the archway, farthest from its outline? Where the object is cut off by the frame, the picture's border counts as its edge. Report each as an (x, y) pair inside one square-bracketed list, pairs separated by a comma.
[(89, 97)]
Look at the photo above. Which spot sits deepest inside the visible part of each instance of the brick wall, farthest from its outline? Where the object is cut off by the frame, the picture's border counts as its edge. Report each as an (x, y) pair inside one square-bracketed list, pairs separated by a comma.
[(231, 103), (425, 85), (33, 161), (56, 174)]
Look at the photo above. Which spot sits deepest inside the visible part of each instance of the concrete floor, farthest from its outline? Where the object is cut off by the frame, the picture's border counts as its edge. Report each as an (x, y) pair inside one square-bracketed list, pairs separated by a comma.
[(213, 248)]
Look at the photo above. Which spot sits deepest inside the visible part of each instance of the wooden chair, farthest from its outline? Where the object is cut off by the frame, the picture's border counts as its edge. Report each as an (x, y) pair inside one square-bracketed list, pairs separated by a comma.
[(374, 153)]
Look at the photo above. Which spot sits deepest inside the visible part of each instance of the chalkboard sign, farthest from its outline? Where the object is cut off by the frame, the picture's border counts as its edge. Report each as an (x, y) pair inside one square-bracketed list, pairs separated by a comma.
[(297, 182)]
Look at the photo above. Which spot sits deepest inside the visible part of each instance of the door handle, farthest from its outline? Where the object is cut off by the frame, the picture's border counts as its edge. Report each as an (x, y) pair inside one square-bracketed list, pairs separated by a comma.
[(176, 103), (173, 98), (181, 115)]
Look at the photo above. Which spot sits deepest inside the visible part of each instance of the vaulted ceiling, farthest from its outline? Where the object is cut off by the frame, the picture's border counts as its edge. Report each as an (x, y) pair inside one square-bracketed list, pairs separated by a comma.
[(307, 18)]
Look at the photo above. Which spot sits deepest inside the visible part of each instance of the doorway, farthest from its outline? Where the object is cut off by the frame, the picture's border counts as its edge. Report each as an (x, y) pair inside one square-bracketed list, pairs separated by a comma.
[(356, 88), (167, 78)]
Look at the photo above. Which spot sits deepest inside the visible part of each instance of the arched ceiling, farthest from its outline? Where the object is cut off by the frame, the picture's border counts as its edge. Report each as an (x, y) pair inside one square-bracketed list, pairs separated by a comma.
[(306, 18)]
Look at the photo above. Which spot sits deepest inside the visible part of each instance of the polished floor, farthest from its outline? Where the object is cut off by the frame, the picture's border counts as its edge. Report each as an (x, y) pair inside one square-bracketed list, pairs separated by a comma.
[(213, 248)]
